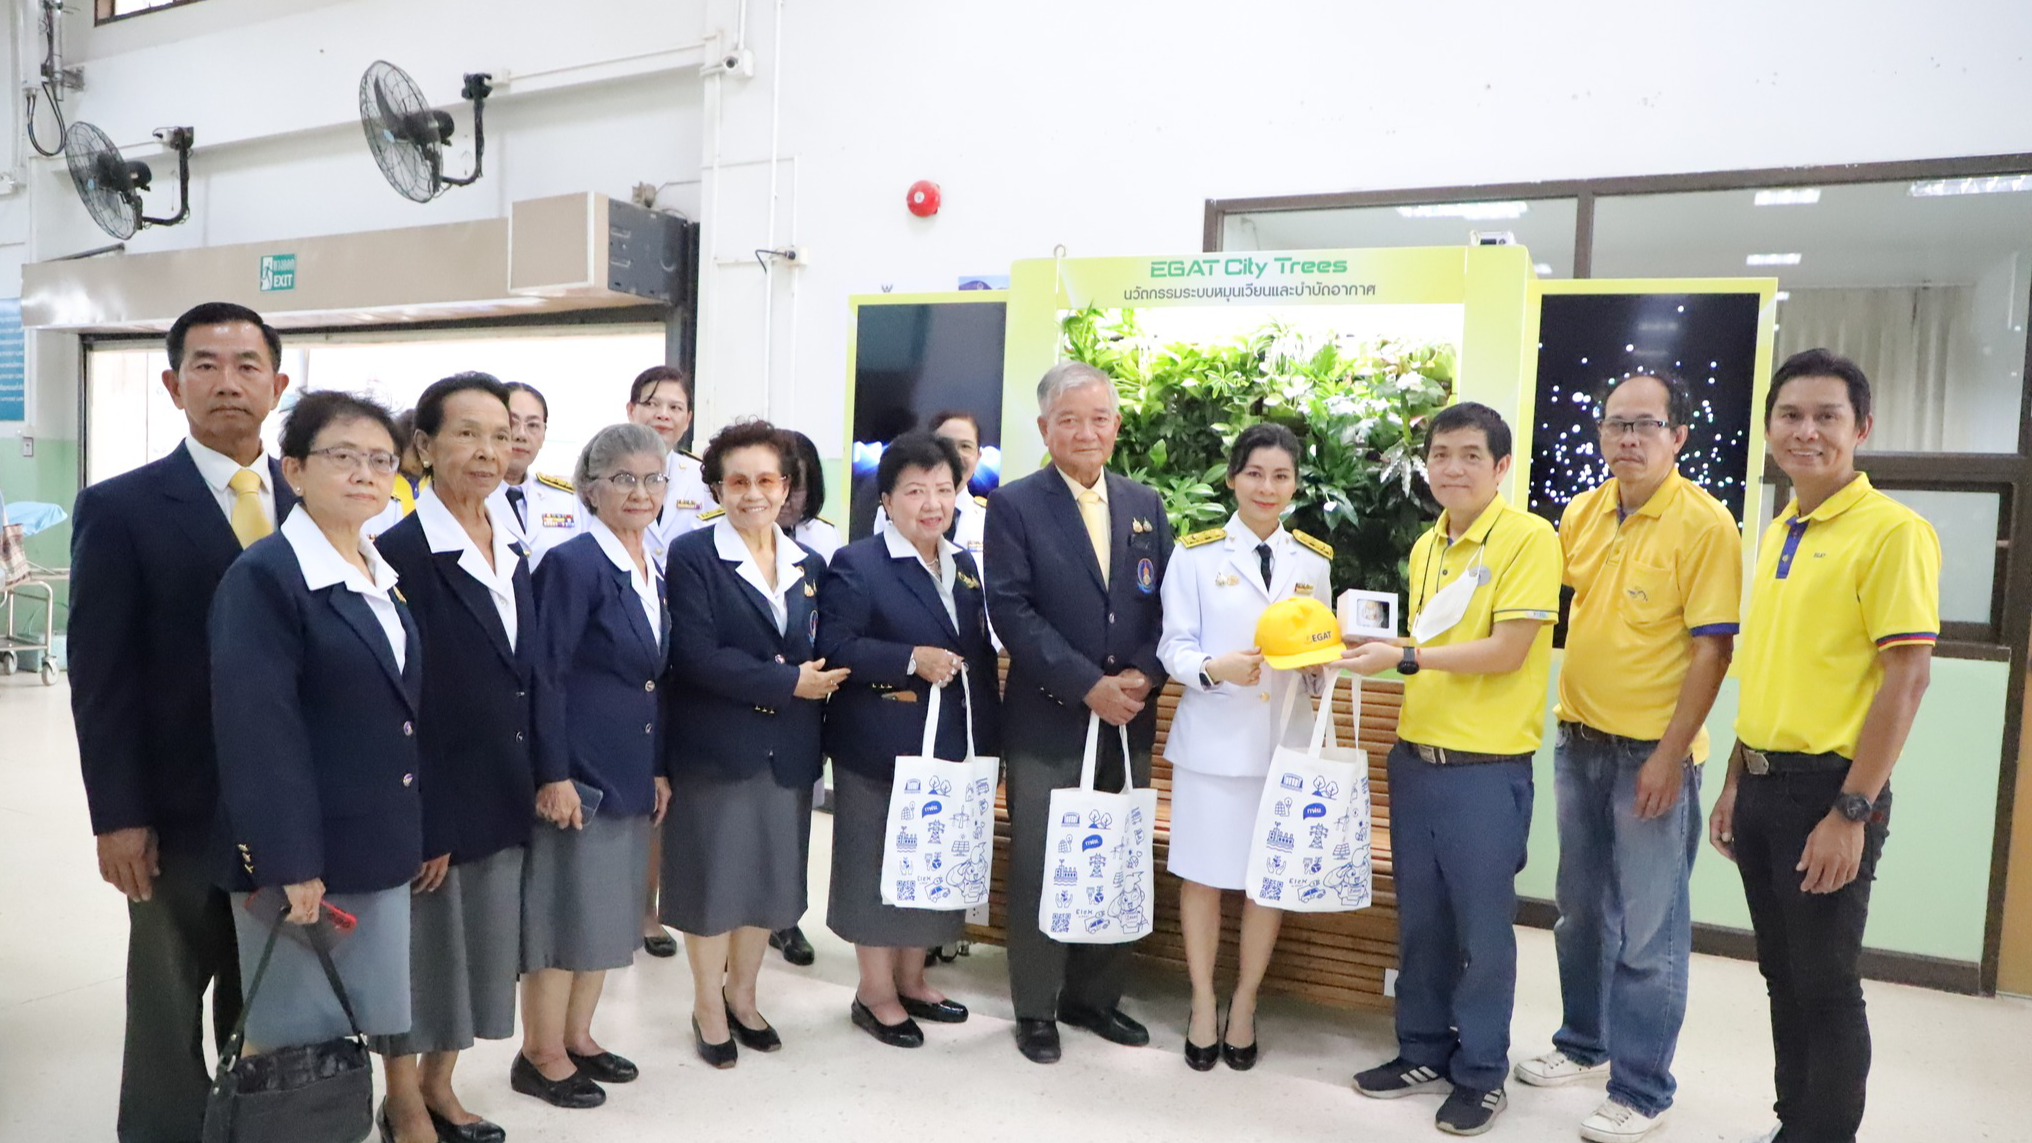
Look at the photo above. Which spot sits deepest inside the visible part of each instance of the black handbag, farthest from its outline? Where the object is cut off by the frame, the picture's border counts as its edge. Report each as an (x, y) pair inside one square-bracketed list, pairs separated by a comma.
[(309, 1093)]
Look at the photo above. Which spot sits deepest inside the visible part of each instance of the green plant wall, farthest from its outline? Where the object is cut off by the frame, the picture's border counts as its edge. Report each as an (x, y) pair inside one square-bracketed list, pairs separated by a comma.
[(1359, 411)]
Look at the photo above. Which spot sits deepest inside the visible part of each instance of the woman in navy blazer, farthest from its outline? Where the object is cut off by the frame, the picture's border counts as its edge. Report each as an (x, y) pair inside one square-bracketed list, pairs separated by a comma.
[(601, 634), (746, 701), (469, 591), (903, 610), (316, 679)]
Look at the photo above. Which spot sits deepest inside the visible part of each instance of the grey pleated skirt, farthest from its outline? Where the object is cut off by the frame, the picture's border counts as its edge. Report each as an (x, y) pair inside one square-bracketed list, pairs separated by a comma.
[(855, 910), (582, 894), (734, 854), (465, 952), (295, 1003)]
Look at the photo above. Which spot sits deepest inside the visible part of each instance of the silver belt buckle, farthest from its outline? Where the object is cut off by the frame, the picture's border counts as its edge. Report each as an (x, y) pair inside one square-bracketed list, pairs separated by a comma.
[(1755, 762), (1431, 754)]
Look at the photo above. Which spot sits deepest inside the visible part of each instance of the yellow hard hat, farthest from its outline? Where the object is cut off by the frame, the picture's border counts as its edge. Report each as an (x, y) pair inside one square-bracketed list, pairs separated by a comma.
[(1298, 632)]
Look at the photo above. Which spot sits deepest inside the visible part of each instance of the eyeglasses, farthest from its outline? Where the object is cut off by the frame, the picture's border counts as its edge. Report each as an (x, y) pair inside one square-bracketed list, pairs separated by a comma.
[(1642, 427), (767, 485), (351, 459), (654, 483)]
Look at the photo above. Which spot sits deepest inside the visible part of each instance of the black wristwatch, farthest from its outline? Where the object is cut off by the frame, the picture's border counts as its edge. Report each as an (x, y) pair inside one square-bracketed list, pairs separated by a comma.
[(1408, 665), (1854, 807)]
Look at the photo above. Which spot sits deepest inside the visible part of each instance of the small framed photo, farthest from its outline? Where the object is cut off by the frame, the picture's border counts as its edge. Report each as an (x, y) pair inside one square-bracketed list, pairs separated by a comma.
[(1368, 614)]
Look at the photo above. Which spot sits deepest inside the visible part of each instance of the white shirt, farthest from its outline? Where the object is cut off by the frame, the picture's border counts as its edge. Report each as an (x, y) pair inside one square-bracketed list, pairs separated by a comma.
[(820, 536), (683, 499), (445, 534), (900, 548), (970, 514), (1100, 489), (217, 468), (554, 515), (789, 571), (648, 588), (323, 566)]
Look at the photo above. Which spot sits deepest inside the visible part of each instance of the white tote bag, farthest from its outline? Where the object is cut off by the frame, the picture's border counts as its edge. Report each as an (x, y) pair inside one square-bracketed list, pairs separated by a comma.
[(1310, 851), (1098, 883), (941, 836)]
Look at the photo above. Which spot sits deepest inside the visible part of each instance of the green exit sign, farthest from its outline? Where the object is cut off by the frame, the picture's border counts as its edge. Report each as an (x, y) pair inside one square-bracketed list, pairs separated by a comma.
[(278, 272)]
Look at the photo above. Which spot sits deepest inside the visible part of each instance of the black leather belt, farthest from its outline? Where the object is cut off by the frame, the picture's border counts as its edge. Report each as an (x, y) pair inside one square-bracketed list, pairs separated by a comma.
[(1766, 762), (1584, 731), (1440, 756)]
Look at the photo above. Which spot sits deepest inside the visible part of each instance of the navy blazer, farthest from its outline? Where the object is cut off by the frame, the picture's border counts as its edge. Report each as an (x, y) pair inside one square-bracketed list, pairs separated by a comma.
[(318, 773), (734, 705), (1063, 628), (599, 671), (148, 548), (479, 785), (874, 611)]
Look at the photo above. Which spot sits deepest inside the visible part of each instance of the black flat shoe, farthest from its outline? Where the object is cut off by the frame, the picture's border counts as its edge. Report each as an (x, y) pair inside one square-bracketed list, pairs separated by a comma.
[(662, 944), (576, 1091), (605, 1067), (763, 1039), (941, 1012), (723, 1055), (795, 948), (1037, 1040), (479, 1131), (1114, 1025), (904, 1035), (381, 1121)]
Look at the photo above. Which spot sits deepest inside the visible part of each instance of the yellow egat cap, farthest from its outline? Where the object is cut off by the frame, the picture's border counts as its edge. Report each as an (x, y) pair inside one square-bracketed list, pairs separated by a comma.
[(1298, 632)]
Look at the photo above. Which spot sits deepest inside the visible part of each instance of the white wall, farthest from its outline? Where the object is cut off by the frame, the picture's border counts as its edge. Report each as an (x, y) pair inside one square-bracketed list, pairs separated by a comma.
[(1102, 126)]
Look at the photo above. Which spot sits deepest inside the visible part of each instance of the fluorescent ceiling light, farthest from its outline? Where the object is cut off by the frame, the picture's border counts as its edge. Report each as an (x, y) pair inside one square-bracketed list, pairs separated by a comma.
[(1994, 184), (1478, 211), (1790, 196), (1542, 269), (1772, 260), (1782, 295)]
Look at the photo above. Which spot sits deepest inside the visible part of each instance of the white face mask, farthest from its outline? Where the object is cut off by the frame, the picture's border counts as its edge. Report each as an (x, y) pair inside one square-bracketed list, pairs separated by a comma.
[(1449, 604)]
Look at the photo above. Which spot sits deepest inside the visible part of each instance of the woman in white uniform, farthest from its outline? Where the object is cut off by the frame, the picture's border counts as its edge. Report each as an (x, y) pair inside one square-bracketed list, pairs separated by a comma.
[(1218, 583)]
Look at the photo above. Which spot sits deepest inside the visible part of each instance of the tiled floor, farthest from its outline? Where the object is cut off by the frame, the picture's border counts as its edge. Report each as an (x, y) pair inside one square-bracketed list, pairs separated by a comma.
[(1945, 1064)]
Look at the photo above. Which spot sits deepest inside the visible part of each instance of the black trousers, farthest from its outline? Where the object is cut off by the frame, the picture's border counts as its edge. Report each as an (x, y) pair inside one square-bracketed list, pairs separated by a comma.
[(1046, 976), (1809, 948), (179, 943)]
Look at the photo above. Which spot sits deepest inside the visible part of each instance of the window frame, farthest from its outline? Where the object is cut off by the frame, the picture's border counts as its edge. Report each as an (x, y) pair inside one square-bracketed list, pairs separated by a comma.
[(103, 10)]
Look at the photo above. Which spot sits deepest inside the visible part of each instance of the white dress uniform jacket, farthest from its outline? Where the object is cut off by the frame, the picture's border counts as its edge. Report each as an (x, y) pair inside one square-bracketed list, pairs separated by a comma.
[(550, 513), (1213, 595), (684, 498)]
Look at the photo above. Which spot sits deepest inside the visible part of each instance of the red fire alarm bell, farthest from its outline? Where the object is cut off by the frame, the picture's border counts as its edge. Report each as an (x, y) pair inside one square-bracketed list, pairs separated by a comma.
[(924, 198)]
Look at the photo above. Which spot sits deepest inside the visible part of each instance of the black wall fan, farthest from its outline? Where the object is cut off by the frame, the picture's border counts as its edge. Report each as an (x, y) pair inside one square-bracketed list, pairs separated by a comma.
[(111, 186), (408, 135)]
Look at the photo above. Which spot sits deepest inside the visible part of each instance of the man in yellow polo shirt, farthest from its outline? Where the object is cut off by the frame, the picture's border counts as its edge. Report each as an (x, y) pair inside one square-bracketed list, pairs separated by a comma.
[(1836, 651), (1484, 590), (1656, 565)]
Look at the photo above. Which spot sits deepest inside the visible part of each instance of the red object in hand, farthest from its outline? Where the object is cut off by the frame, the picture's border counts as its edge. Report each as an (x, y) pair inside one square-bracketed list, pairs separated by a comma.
[(924, 198)]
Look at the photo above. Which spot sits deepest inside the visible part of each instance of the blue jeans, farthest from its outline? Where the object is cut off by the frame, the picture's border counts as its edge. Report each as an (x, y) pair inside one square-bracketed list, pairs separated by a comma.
[(1457, 837), (1625, 930)]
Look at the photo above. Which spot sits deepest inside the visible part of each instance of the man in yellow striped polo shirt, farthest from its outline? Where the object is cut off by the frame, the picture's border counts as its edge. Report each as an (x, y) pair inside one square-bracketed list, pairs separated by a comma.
[(1656, 565), (1835, 656), (1484, 592)]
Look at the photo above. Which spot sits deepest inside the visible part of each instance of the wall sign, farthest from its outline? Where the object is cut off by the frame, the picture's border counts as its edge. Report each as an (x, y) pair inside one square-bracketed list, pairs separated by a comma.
[(278, 272), (13, 361)]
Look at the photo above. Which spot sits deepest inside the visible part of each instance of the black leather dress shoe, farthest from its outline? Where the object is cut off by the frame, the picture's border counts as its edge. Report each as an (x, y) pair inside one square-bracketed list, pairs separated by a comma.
[(381, 1123), (1201, 1059), (795, 948), (1113, 1025), (1037, 1040), (723, 1055), (1240, 1059), (763, 1039), (662, 944), (478, 1131), (942, 1012), (605, 1067), (904, 1035), (576, 1091)]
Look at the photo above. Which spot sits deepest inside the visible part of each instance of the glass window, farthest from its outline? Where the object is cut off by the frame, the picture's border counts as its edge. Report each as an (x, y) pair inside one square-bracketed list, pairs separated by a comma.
[(1967, 524), (1924, 284), (114, 9), (1544, 226)]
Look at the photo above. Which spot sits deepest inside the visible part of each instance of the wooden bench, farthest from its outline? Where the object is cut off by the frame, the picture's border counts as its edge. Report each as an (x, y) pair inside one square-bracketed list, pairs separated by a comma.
[(1336, 959)]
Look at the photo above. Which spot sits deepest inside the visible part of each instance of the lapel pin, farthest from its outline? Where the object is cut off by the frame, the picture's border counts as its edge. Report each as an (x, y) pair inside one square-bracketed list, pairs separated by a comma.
[(810, 589)]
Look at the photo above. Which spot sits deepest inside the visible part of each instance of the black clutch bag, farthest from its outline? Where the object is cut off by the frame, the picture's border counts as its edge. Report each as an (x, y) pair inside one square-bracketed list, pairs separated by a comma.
[(309, 1093)]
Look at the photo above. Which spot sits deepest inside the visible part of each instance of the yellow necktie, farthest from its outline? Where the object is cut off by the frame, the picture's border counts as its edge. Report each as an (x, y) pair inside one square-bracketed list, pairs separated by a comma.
[(250, 523), (1095, 515)]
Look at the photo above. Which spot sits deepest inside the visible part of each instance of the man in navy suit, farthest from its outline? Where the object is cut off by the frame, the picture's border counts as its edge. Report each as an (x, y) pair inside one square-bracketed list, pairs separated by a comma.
[(1079, 557), (148, 548)]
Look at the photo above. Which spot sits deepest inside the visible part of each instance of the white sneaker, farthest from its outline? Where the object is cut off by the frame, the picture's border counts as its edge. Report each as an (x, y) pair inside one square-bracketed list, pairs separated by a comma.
[(1557, 1069), (1614, 1122)]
